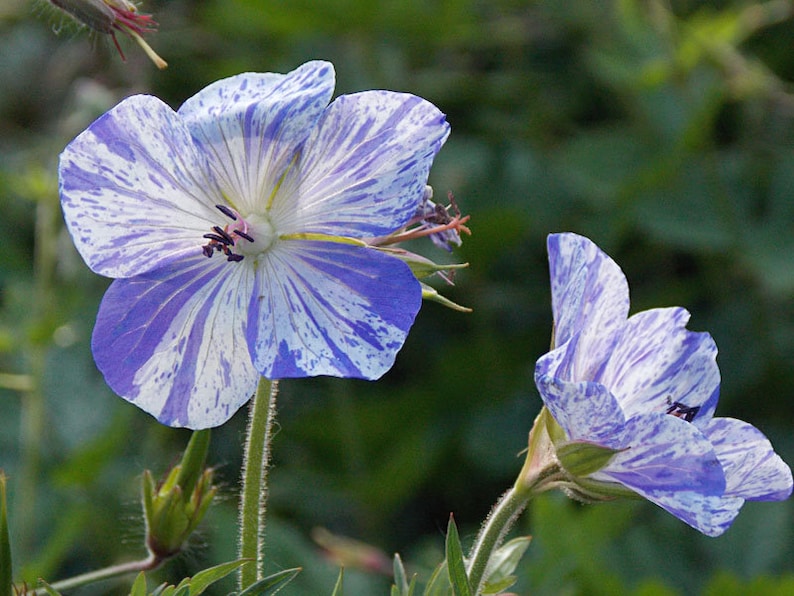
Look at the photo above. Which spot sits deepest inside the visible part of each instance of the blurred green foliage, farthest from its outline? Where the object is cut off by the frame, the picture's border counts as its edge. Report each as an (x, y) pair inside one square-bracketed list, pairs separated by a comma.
[(664, 131)]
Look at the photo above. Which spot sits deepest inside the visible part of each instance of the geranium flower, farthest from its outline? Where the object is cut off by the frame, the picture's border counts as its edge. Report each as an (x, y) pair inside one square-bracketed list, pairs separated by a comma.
[(642, 390), (236, 228)]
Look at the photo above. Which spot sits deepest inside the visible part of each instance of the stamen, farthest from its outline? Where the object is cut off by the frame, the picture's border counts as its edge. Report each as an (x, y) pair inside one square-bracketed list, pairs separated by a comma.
[(225, 239), (225, 234), (227, 212), (233, 257), (242, 234), (680, 410)]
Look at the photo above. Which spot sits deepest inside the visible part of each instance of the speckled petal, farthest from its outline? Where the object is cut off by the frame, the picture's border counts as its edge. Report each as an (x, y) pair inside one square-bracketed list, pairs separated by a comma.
[(363, 171), (752, 468), (251, 124), (322, 308), (173, 341), (655, 363), (665, 453), (585, 411), (589, 292), (711, 515), (135, 190)]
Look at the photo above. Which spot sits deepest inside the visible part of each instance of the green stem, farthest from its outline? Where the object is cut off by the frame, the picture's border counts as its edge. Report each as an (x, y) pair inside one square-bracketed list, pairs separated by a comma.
[(253, 501), (147, 564), (540, 472), (501, 519)]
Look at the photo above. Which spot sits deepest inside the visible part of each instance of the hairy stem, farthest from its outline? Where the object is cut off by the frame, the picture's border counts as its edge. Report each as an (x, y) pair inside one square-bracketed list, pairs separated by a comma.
[(253, 501)]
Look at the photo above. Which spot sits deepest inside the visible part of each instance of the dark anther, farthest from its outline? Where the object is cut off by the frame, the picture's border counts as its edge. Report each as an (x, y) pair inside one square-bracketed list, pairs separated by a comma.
[(224, 239), (680, 410), (242, 234), (225, 234), (234, 257), (226, 211), (208, 250)]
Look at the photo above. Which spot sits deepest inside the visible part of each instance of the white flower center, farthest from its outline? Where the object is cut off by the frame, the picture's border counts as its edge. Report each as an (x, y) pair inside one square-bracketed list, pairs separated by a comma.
[(242, 237)]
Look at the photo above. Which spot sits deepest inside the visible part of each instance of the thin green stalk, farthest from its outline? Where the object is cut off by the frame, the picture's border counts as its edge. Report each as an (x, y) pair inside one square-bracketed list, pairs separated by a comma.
[(253, 500), (501, 519), (540, 472), (147, 564), (33, 413)]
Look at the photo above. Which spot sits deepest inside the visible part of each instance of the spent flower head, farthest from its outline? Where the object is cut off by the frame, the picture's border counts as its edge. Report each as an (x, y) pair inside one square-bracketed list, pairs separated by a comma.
[(239, 231), (633, 401), (109, 16)]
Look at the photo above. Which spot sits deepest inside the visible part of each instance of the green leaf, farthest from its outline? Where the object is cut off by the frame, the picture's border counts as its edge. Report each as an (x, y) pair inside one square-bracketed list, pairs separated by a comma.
[(139, 585), (339, 588), (456, 566), (272, 583), (400, 579), (503, 563), (204, 579), (438, 584)]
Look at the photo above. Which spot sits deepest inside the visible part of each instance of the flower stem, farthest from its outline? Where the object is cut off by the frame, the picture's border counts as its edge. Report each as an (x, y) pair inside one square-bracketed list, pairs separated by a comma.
[(147, 564), (500, 520), (540, 472), (253, 501)]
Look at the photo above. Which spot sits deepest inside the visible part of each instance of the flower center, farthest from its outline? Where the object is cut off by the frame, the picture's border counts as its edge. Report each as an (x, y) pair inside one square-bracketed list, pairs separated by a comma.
[(240, 238), (680, 410)]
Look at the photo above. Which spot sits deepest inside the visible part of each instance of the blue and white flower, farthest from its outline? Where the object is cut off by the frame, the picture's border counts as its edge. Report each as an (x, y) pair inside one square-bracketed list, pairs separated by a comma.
[(646, 388), (236, 230)]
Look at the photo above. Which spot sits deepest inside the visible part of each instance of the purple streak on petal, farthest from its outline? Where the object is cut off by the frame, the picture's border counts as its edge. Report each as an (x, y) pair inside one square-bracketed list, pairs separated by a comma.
[(135, 190), (252, 124), (363, 171), (655, 362), (170, 341), (665, 453), (585, 411), (752, 468), (588, 290), (323, 308)]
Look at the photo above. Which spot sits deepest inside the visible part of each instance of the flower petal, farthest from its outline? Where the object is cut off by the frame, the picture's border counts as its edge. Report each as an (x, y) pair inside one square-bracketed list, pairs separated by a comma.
[(752, 468), (322, 308), (251, 124), (135, 190), (363, 171), (711, 515), (171, 341), (589, 292), (656, 363), (665, 453), (585, 411)]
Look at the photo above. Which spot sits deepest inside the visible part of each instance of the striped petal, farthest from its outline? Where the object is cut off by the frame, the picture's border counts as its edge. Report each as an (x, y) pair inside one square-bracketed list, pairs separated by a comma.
[(321, 308), (665, 453), (250, 126), (171, 341), (364, 169), (135, 190), (752, 468), (656, 363), (589, 292)]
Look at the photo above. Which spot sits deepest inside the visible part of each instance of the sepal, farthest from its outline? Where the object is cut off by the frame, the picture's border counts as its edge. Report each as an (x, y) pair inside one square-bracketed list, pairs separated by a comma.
[(582, 459), (430, 293)]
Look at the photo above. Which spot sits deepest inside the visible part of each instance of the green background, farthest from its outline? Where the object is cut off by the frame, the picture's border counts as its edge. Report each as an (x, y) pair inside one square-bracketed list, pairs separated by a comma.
[(664, 131)]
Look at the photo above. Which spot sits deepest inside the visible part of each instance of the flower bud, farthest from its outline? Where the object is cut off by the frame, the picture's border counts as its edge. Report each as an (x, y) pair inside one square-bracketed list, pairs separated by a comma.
[(175, 507)]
